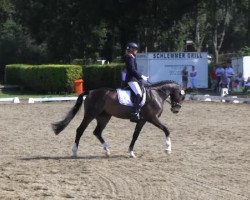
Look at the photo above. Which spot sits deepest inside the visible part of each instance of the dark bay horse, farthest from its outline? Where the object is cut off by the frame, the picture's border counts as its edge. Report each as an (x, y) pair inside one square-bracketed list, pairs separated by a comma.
[(101, 104)]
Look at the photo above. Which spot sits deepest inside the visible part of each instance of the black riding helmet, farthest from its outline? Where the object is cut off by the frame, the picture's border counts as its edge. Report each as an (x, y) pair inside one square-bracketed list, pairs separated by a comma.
[(131, 46)]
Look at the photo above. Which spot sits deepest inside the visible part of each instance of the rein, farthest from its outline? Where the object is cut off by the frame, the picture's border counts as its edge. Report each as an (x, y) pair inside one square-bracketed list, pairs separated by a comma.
[(167, 97), (172, 104)]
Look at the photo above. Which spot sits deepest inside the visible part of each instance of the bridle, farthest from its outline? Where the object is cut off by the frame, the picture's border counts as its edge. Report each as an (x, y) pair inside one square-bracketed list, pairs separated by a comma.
[(173, 104)]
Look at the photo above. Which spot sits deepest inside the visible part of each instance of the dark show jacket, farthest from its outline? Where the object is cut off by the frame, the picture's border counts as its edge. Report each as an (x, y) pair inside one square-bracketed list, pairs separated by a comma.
[(131, 68)]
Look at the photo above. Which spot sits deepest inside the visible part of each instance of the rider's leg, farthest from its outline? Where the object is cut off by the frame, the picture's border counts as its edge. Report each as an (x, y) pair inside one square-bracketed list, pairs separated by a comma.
[(135, 87), (137, 90)]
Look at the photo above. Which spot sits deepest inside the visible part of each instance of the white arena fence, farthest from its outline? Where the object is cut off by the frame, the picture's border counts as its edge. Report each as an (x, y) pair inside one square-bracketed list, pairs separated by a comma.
[(208, 98), (13, 100), (37, 100)]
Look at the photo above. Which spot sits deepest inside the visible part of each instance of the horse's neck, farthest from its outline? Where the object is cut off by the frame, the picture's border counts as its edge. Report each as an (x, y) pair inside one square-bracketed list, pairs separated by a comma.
[(158, 94), (164, 92)]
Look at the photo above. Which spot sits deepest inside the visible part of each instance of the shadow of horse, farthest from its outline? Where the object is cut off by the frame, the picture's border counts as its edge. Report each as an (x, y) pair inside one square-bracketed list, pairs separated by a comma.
[(113, 157)]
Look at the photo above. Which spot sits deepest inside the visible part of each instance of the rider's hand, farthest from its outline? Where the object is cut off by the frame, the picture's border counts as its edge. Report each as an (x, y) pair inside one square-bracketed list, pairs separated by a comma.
[(145, 78)]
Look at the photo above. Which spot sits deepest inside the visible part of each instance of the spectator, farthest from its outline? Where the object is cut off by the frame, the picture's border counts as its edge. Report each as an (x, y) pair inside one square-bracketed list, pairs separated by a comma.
[(193, 75), (229, 73), (239, 81), (219, 73), (184, 74), (247, 85), (213, 79), (224, 81)]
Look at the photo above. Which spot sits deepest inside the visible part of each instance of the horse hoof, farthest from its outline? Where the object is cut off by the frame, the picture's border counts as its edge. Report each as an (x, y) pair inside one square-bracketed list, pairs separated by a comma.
[(107, 153), (74, 154), (74, 150), (168, 151), (132, 154)]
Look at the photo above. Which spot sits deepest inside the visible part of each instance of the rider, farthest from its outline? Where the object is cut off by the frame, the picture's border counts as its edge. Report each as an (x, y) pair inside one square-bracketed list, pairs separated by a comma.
[(133, 77)]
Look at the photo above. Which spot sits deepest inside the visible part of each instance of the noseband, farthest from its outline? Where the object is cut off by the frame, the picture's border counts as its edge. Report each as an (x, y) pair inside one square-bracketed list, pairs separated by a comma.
[(175, 104)]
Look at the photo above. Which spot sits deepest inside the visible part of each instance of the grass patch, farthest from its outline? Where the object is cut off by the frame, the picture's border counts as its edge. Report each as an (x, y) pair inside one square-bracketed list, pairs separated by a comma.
[(240, 93)]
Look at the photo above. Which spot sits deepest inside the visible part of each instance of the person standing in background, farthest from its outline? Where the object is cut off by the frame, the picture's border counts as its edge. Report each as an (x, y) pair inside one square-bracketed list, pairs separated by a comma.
[(239, 81), (229, 74), (247, 85), (184, 74), (193, 78), (219, 74), (213, 79)]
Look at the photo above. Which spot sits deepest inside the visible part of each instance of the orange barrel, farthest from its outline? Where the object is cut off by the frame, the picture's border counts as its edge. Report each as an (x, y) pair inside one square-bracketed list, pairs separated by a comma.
[(78, 86)]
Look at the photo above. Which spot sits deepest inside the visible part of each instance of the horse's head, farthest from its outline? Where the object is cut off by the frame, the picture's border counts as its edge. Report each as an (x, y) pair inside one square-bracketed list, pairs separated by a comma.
[(172, 89), (177, 96)]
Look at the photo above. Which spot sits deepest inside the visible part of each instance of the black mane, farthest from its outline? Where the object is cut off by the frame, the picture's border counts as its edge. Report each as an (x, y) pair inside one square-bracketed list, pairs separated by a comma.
[(161, 83)]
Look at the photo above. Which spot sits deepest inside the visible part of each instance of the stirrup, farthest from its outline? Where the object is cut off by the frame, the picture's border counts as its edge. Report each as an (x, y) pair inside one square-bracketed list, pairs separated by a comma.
[(135, 117)]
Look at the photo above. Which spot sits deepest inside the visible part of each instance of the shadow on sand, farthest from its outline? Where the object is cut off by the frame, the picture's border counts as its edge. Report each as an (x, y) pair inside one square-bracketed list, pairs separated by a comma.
[(113, 157)]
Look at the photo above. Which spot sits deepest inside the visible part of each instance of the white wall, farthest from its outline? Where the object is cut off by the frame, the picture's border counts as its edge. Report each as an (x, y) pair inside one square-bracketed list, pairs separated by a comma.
[(242, 65), (168, 66)]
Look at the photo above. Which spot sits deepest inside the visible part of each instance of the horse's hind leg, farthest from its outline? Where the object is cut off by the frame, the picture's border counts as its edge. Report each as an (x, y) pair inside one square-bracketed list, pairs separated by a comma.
[(79, 131), (102, 121)]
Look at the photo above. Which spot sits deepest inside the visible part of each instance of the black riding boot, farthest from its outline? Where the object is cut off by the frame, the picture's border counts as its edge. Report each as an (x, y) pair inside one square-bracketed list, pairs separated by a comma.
[(135, 116)]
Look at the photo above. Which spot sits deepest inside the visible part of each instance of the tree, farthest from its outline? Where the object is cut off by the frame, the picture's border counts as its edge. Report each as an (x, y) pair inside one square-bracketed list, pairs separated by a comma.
[(68, 29), (220, 15)]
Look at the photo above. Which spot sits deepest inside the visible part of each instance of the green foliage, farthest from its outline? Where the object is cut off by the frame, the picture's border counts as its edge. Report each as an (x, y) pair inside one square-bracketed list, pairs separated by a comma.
[(38, 31), (245, 51), (96, 76), (77, 61), (43, 78), (17, 46), (6, 9)]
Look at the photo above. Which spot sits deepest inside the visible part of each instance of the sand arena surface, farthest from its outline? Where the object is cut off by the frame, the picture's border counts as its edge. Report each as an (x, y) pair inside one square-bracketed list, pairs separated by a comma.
[(210, 155)]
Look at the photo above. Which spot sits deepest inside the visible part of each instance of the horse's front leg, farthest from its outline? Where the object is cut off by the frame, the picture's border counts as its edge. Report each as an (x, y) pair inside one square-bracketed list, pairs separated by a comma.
[(137, 131), (168, 144), (155, 121)]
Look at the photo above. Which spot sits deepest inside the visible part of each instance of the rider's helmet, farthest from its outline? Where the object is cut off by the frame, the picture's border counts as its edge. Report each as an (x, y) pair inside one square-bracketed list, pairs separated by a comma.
[(131, 46)]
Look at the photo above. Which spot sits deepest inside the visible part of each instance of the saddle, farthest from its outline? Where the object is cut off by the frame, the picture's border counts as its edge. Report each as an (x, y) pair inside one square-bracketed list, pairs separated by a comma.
[(126, 97)]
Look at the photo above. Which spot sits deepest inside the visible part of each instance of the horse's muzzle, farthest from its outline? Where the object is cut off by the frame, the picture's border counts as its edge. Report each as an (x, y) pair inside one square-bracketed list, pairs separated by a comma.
[(175, 108)]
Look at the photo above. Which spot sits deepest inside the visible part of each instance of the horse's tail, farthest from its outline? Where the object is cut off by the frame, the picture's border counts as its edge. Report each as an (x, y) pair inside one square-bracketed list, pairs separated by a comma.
[(61, 125)]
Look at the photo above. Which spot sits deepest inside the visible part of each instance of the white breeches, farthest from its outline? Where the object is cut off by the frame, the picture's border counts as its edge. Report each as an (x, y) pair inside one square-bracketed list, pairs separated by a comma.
[(135, 87)]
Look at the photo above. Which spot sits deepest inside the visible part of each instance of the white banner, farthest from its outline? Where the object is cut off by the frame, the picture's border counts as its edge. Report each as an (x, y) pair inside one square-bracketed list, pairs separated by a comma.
[(161, 66)]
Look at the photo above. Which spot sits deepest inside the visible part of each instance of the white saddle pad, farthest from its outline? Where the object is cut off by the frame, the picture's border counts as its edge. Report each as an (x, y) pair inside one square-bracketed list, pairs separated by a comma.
[(124, 97)]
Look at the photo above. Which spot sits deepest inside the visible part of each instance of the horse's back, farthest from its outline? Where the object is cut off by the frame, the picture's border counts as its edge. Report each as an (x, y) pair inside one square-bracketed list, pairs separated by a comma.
[(100, 96), (105, 100)]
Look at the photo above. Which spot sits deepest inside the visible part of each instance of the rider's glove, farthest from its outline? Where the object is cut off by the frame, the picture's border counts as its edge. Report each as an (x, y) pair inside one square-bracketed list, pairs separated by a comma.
[(145, 78)]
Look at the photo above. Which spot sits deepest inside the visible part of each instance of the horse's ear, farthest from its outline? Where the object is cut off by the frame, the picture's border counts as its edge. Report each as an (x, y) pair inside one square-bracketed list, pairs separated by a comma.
[(182, 92)]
